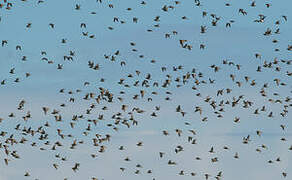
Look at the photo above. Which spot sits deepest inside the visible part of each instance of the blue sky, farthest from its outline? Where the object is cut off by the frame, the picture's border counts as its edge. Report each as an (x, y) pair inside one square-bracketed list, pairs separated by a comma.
[(237, 44)]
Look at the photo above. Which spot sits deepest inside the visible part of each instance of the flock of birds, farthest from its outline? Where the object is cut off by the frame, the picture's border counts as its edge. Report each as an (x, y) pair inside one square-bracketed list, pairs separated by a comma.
[(90, 116)]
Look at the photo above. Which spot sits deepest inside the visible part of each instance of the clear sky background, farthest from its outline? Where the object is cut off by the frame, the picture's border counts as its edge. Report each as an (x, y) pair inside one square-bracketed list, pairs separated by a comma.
[(237, 44)]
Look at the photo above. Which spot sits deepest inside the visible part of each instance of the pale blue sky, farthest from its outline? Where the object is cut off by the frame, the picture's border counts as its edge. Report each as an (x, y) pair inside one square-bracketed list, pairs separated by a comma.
[(238, 44)]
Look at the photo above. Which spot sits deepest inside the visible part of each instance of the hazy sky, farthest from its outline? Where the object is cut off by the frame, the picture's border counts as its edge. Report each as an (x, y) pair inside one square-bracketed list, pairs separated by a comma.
[(237, 44)]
